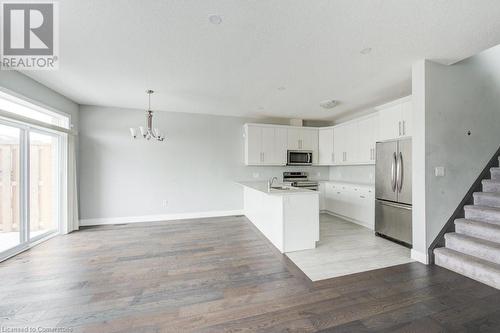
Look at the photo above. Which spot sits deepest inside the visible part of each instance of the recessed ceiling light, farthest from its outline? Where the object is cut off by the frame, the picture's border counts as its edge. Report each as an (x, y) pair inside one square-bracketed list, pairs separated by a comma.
[(329, 104), (215, 19), (281, 88), (366, 50)]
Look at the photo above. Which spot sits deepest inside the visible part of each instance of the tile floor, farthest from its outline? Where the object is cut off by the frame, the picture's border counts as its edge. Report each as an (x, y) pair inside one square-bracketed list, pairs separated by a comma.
[(346, 248)]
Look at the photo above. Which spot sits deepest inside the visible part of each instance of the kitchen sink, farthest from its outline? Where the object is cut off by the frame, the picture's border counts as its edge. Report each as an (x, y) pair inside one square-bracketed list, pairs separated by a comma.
[(280, 188)]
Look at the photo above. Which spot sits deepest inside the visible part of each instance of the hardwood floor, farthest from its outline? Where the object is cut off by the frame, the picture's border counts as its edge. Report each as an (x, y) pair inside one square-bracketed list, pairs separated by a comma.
[(220, 275)]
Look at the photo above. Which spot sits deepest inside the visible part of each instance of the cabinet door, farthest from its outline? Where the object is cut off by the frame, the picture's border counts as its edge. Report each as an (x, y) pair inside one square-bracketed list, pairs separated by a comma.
[(253, 145), (294, 139), (280, 142), (309, 141), (339, 138), (407, 118), (351, 143), (267, 145), (366, 144), (390, 125), (329, 197), (322, 195), (274, 145), (325, 137)]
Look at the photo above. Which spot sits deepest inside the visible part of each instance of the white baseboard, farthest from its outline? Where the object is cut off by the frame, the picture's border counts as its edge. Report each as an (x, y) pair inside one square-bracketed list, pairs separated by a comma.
[(361, 223), (419, 256), (158, 218)]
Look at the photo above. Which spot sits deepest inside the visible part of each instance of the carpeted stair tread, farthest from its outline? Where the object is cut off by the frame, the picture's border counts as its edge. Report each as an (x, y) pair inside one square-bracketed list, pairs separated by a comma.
[(475, 268), (473, 246)]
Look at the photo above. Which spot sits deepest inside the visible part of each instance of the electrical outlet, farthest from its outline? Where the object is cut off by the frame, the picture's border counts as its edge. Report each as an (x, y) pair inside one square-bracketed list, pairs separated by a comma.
[(255, 175), (164, 203), (440, 171)]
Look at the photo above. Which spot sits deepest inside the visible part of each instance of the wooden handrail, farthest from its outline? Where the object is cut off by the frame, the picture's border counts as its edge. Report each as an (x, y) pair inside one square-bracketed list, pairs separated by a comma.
[(467, 200)]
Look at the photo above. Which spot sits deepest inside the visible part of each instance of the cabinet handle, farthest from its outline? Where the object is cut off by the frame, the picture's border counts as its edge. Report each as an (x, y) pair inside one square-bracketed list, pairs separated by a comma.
[(404, 127), (333, 157), (399, 124), (362, 196), (263, 157)]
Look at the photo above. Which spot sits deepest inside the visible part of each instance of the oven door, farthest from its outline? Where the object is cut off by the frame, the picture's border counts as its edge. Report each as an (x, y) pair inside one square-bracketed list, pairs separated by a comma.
[(299, 157)]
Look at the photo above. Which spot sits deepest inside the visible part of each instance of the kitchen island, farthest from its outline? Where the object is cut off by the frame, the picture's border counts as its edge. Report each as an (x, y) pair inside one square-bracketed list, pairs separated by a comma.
[(288, 217)]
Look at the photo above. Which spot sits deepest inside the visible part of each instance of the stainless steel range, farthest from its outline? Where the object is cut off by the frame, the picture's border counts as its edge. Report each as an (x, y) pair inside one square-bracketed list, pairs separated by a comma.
[(299, 179)]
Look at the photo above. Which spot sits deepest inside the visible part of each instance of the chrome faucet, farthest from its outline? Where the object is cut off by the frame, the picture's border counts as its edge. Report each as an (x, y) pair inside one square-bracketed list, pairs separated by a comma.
[(270, 182)]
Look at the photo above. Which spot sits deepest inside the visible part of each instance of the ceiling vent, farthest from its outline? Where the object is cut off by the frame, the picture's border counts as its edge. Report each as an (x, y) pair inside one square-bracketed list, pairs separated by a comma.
[(329, 104)]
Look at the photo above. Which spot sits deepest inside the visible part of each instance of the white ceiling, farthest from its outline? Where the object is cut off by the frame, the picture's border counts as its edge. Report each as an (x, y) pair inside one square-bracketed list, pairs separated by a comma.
[(267, 58)]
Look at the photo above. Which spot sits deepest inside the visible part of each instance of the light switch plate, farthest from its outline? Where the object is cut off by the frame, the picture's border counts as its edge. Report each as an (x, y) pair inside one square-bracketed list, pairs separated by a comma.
[(440, 171)]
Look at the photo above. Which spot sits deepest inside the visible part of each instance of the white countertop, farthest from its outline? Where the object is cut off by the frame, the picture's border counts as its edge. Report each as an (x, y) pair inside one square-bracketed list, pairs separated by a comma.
[(341, 182), (262, 187)]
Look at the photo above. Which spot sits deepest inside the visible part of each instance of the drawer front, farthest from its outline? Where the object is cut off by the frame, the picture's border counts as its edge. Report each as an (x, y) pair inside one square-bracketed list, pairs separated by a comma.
[(393, 220)]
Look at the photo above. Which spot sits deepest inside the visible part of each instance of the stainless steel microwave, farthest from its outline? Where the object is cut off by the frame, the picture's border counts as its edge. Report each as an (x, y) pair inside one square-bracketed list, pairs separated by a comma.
[(299, 157)]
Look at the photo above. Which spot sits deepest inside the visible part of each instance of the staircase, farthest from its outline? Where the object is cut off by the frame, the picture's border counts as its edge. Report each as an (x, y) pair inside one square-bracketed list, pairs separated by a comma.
[(473, 249)]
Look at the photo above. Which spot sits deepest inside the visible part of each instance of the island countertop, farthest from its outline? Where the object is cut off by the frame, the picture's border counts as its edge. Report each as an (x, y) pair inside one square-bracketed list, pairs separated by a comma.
[(262, 187)]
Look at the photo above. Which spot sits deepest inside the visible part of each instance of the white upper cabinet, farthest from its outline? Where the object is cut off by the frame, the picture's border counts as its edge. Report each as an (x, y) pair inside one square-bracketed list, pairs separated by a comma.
[(303, 138), (325, 138), (407, 118), (265, 145), (354, 141), (253, 145), (294, 139), (367, 129), (395, 119), (339, 144)]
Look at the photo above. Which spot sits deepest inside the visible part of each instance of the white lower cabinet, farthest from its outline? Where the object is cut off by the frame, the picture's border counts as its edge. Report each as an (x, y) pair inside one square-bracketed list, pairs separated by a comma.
[(352, 201)]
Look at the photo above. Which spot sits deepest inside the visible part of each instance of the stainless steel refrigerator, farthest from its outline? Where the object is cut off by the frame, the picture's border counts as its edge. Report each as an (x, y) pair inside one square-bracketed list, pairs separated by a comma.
[(393, 190)]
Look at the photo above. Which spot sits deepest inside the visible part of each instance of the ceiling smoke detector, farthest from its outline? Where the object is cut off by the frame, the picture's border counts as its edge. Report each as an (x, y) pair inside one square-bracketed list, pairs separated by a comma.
[(329, 104), (366, 50), (215, 19)]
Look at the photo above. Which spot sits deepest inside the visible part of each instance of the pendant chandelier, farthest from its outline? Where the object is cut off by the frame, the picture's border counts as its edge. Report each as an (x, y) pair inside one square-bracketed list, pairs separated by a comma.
[(149, 132)]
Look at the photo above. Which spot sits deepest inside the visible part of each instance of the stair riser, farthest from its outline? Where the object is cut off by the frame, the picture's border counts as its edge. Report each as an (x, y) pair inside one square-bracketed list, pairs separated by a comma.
[(454, 264), (480, 215), (495, 174), (489, 187), (489, 201), (474, 249), (478, 232)]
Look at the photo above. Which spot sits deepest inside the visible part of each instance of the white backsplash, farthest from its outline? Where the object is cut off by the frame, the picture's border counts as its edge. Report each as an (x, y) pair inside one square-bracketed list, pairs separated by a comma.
[(353, 173)]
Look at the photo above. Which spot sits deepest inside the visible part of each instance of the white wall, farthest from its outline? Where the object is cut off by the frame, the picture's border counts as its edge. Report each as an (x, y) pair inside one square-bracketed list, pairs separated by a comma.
[(457, 98), (195, 169), (419, 236)]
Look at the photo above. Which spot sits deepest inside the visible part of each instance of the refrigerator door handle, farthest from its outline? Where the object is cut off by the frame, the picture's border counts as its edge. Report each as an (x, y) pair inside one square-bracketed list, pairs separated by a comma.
[(399, 172), (393, 172)]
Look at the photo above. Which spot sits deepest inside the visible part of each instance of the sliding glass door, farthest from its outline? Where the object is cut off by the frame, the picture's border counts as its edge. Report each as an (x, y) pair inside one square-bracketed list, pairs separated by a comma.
[(43, 184), (11, 226), (30, 186)]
